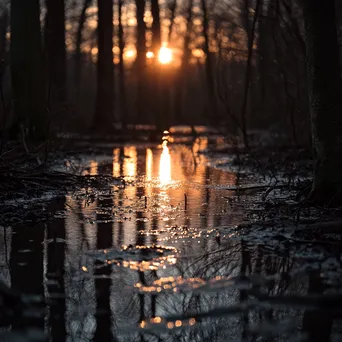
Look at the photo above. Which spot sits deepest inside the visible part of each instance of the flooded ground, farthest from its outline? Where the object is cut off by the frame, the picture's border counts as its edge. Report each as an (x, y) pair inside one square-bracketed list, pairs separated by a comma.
[(156, 255)]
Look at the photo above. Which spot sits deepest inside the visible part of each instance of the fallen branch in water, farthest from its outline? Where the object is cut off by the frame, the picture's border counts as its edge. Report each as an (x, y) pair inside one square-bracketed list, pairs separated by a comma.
[(326, 227), (331, 301), (17, 180), (256, 187)]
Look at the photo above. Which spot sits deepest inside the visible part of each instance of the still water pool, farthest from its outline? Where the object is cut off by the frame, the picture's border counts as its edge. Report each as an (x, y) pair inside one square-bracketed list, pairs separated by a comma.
[(154, 255)]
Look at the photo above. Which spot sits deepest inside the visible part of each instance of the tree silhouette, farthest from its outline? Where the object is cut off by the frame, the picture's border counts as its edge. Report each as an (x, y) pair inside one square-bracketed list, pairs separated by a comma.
[(27, 68), (55, 50), (140, 62), (105, 68), (325, 89)]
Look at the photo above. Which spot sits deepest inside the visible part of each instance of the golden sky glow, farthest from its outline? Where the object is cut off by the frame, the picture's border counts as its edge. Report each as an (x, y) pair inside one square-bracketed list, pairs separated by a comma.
[(219, 39)]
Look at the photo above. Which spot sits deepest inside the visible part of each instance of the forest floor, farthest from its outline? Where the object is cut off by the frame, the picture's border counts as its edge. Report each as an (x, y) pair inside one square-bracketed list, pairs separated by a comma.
[(212, 218)]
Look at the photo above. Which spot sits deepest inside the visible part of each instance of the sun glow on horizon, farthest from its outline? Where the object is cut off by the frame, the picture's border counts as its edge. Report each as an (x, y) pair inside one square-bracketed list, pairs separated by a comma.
[(165, 55)]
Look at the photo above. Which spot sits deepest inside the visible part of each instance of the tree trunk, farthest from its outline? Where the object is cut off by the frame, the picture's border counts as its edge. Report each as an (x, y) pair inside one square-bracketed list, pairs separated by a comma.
[(124, 112), (3, 32), (105, 68), (325, 90), (4, 18), (213, 112), (140, 62), (78, 53), (251, 37), (141, 32), (55, 50), (180, 83), (27, 67), (172, 19), (156, 30)]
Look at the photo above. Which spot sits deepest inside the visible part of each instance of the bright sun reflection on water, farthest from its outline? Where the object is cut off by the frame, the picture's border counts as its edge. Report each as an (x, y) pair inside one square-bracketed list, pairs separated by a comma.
[(149, 164), (165, 165), (130, 161)]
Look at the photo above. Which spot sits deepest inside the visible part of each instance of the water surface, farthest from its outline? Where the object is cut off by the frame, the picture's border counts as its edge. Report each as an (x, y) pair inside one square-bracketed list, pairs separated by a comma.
[(153, 255)]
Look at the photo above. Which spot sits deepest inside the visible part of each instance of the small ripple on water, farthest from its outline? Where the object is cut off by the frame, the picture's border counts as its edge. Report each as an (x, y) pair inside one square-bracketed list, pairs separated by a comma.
[(180, 284), (141, 258)]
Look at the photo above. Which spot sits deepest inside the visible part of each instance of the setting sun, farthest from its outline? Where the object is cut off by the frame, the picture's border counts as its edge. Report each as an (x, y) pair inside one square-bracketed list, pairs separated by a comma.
[(165, 55), (129, 54)]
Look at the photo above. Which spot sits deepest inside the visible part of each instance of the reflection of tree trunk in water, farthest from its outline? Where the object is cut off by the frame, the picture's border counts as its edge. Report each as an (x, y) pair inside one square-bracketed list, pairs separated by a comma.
[(251, 37), (102, 285), (120, 237), (122, 68), (78, 53), (140, 238), (154, 273), (268, 313), (258, 270), (140, 62), (209, 63), (81, 219), (26, 269), (55, 274), (140, 241), (180, 83), (317, 323), (245, 269)]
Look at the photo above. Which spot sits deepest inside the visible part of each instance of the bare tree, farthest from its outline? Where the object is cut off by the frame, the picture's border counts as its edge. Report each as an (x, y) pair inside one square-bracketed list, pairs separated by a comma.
[(124, 112), (156, 29), (3, 31), (251, 37), (183, 69), (105, 67), (78, 53), (173, 6), (55, 50), (209, 62), (140, 61), (325, 89), (4, 19), (27, 68)]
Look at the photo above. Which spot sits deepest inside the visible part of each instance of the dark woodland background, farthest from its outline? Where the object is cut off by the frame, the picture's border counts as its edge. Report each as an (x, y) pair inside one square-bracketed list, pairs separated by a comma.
[(237, 64)]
